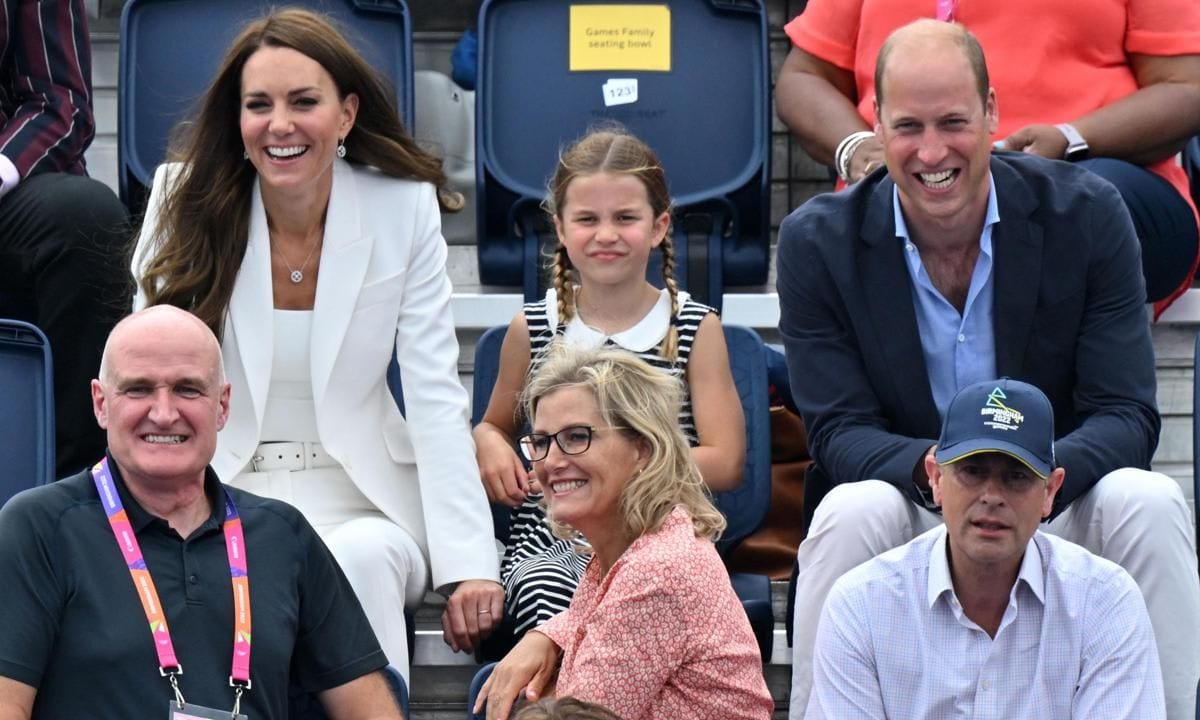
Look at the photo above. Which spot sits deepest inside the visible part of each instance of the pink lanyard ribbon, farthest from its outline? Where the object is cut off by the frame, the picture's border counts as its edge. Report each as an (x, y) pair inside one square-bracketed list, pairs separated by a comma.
[(945, 10), (235, 547)]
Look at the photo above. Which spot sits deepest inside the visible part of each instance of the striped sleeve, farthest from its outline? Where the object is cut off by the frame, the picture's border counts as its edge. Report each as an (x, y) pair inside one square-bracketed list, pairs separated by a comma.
[(46, 96)]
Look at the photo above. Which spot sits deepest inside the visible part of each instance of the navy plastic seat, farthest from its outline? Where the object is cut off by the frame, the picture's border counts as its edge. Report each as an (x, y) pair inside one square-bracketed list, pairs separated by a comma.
[(707, 118), (170, 50), (744, 508), (27, 402), (473, 690)]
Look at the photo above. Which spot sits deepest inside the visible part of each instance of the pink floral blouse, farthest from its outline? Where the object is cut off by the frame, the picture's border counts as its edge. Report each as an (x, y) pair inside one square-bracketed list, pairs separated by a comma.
[(662, 635)]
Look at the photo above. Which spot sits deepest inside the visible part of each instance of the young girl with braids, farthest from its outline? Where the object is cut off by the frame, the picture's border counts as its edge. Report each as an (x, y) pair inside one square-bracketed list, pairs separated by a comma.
[(611, 209)]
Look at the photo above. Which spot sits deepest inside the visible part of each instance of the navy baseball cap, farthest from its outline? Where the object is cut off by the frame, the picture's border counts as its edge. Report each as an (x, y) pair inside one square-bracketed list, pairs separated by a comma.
[(1006, 416)]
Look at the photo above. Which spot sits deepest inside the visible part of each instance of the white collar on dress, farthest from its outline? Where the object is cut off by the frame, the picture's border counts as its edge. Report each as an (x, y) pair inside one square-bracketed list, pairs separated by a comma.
[(645, 335)]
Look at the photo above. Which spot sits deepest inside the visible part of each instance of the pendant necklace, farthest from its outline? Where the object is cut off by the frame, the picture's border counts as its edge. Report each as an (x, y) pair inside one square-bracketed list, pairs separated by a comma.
[(297, 274)]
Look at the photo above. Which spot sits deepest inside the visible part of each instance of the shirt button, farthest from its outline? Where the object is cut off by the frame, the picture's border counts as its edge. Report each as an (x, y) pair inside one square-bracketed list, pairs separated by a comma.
[(193, 579), (962, 338), (987, 684), (909, 247)]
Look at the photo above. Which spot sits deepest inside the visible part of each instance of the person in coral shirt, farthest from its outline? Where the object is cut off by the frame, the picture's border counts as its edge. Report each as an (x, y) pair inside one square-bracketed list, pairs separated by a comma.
[(655, 629), (1113, 84)]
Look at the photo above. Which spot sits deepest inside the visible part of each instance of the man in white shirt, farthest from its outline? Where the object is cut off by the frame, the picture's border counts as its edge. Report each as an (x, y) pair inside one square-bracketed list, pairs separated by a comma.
[(986, 616)]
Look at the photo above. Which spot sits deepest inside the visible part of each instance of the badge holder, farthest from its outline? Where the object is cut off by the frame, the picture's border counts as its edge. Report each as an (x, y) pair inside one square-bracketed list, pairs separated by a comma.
[(180, 709)]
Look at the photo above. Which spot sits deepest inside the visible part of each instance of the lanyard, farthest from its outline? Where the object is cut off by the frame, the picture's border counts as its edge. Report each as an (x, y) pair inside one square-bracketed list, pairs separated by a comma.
[(235, 548), (945, 9)]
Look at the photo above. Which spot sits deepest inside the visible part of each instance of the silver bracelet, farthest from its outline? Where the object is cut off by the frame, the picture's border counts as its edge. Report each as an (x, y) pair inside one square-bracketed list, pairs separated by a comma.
[(845, 152)]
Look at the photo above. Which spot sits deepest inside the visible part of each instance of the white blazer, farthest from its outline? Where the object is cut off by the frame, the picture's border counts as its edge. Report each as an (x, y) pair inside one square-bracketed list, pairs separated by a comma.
[(382, 283)]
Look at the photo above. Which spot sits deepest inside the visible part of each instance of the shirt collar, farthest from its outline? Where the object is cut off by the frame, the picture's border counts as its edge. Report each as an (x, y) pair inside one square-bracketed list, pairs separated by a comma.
[(644, 336), (1031, 571), (140, 518), (991, 217)]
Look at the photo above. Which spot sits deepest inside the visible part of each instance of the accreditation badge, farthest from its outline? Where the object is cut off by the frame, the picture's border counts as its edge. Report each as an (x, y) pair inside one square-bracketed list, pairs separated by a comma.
[(188, 711)]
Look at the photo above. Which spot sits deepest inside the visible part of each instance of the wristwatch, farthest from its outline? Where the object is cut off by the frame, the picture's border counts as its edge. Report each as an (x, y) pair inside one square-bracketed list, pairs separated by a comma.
[(1077, 147)]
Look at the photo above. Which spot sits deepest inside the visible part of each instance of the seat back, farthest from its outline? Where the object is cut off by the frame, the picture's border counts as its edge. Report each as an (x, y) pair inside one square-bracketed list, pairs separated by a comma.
[(487, 369), (27, 399), (745, 507), (473, 690), (707, 116), (170, 50)]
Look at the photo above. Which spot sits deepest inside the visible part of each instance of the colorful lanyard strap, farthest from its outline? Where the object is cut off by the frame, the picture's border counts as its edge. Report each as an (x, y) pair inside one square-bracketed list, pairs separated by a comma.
[(945, 9), (235, 547)]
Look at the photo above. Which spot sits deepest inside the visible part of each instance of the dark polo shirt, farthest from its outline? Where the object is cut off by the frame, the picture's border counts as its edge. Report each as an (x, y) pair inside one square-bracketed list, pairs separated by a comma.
[(71, 623)]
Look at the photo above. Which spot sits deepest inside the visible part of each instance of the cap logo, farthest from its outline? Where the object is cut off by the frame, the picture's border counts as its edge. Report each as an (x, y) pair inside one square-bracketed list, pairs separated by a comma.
[(1001, 417)]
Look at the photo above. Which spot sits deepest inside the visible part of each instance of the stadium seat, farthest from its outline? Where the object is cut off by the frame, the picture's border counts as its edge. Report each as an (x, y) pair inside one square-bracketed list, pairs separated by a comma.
[(743, 508), (487, 369), (707, 116), (473, 691), (170, 50), (27, 399)]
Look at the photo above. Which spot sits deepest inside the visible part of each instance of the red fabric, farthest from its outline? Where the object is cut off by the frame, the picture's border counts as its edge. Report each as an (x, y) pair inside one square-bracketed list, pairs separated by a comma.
[(1051, 61), (662, 635), (45, 85)]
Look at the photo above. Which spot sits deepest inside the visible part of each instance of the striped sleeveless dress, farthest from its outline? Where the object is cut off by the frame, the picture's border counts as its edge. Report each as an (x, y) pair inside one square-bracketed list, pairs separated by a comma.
[(540, 571)]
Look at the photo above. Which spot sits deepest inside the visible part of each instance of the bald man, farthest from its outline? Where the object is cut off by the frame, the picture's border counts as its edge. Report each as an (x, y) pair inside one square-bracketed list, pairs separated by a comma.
[(118, 576), (957, 265)]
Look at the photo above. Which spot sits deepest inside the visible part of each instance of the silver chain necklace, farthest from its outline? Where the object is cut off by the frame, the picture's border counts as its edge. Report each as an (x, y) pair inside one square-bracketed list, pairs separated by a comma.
[(297, 274)]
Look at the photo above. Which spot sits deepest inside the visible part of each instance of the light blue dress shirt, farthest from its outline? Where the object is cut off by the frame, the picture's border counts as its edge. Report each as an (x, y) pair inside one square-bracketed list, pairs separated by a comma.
[(1075, 642), (959, 349)]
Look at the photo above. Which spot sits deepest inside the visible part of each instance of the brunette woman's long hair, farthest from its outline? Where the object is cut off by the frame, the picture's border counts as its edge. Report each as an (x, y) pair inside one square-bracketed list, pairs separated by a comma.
[(204, 218)]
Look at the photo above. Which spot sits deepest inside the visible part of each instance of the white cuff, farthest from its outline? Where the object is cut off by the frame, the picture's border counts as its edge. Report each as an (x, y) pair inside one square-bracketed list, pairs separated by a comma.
[(9, 177)]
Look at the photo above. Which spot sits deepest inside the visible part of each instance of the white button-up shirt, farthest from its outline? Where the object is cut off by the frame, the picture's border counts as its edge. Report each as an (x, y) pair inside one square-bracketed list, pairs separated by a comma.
[(1075, 641)]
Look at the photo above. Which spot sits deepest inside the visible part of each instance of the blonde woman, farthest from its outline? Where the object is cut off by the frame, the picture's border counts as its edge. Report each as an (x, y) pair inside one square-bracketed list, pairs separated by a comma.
[(655, 629)]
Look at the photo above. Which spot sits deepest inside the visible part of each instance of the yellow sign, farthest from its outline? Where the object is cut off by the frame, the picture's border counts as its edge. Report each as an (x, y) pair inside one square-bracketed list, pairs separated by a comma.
[(620, 37)]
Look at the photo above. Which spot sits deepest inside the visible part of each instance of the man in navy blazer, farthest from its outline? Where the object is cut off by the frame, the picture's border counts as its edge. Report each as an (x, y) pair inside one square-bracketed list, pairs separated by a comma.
[(957, 265)]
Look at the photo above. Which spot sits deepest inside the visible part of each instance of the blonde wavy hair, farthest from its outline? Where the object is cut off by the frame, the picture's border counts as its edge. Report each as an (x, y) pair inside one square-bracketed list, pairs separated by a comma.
[(633, 395)]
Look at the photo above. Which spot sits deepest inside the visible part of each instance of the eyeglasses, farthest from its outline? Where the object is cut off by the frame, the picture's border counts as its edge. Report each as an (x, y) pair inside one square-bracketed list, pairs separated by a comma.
[(572, 440), (1016, 480)]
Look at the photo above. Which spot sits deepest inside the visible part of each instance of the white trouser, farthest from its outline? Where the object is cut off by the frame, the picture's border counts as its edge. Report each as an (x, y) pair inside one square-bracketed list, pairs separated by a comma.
[(1137, 519), (381, 560)]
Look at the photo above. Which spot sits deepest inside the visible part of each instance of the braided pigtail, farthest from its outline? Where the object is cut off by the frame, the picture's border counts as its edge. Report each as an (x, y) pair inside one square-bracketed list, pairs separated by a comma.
[(563, 287), (670, 343)]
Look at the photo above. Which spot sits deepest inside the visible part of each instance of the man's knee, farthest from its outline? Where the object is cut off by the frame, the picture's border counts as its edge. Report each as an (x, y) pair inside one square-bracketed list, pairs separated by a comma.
[(1131, 492), (860, 504), (81, 212)]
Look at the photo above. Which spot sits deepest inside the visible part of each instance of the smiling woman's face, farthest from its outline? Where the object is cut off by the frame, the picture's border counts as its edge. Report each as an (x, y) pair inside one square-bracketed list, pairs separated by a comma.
[(584, 490), (291, 119)]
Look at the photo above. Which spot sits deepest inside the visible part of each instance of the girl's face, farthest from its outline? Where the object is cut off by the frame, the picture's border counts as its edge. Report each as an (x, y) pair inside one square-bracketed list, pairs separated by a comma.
[(291, 120), (608, 228)]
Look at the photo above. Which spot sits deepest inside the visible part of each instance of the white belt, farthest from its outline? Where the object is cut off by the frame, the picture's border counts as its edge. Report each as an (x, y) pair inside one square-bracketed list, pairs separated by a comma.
[(291, 456)]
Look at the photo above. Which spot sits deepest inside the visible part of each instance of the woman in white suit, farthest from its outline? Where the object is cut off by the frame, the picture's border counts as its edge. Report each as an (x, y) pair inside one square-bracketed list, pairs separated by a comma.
[(301, 223)]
